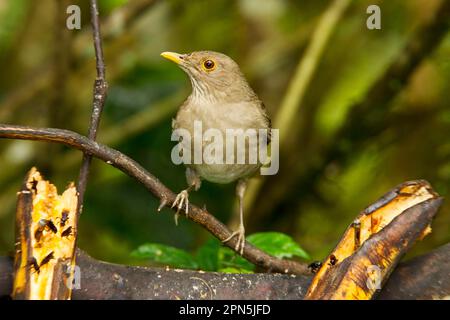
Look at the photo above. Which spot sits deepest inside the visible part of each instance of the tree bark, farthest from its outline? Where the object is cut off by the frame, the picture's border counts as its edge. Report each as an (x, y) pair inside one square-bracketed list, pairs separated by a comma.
[(423, 277)]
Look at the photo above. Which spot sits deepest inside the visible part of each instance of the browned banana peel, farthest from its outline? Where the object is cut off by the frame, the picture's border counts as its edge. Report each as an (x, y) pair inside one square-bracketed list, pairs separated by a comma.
[(45, 232), (374, 243)]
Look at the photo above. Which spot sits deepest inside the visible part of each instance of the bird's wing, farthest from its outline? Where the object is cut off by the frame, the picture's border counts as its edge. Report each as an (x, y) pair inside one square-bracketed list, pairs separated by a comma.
[(268, 120)]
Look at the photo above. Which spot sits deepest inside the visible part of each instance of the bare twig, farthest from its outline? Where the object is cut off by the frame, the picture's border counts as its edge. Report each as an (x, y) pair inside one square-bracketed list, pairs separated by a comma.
[(99, 98), (97, 41), (136, 171), (100, 91)]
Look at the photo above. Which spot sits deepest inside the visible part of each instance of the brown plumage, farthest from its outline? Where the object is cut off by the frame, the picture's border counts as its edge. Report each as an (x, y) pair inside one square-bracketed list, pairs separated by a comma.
[(221, 99)]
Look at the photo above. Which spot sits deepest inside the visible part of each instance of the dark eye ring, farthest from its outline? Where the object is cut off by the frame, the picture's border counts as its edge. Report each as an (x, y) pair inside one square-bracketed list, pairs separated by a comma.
[(209, 64)]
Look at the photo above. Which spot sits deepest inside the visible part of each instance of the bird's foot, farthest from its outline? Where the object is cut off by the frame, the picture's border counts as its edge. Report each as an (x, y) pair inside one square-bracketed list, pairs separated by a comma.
[(240, 243), (181, 199)]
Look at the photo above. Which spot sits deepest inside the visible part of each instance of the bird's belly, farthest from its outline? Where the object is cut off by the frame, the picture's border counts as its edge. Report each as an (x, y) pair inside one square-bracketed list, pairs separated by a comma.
[(220, 170), (224, 173)]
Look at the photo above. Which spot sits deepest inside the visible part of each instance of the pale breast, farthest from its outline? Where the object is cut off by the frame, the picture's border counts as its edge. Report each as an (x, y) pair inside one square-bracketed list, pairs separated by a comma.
[(235, 116)]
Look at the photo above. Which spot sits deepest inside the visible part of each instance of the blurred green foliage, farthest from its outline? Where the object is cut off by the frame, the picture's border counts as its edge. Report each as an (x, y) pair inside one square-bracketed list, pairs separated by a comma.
[(212, 256), (47, 76)]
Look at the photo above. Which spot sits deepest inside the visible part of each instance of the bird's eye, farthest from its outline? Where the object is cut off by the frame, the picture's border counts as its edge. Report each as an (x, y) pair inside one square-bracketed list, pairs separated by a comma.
[(209, 65)]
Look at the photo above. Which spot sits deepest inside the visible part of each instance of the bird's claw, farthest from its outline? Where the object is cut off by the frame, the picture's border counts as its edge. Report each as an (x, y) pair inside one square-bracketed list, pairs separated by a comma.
[(182, 198), (240, 243)]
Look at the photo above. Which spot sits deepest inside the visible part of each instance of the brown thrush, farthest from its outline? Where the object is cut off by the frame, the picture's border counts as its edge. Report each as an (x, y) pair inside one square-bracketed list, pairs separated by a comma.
[(221, 99)]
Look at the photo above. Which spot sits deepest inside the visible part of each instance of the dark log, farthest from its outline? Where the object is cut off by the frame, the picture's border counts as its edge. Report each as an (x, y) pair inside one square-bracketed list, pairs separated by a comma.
[(424, 277), (6, 276)]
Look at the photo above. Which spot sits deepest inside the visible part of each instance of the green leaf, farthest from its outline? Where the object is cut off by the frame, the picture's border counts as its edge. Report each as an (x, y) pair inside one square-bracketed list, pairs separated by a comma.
[(208, 255), (277, 244), (234, 270), (229, 259), (166, 255)]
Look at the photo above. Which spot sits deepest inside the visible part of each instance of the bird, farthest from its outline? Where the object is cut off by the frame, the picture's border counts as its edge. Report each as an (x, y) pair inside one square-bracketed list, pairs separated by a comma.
[(221, 99)]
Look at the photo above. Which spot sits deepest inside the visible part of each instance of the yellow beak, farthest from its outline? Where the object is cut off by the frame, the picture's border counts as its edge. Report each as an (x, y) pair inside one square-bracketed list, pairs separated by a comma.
[(172, 56)]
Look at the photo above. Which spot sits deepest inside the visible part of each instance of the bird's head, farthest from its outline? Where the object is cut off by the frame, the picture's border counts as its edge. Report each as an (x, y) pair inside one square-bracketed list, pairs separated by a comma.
[(212, 74)]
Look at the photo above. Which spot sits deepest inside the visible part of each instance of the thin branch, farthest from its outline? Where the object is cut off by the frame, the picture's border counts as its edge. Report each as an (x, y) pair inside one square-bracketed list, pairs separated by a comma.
[(97, 40), (166, 196), (100, 92)]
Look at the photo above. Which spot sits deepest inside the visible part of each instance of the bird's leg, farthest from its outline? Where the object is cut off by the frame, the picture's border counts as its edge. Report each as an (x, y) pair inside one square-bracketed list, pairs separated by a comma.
[(240, 233), (194, 182)]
